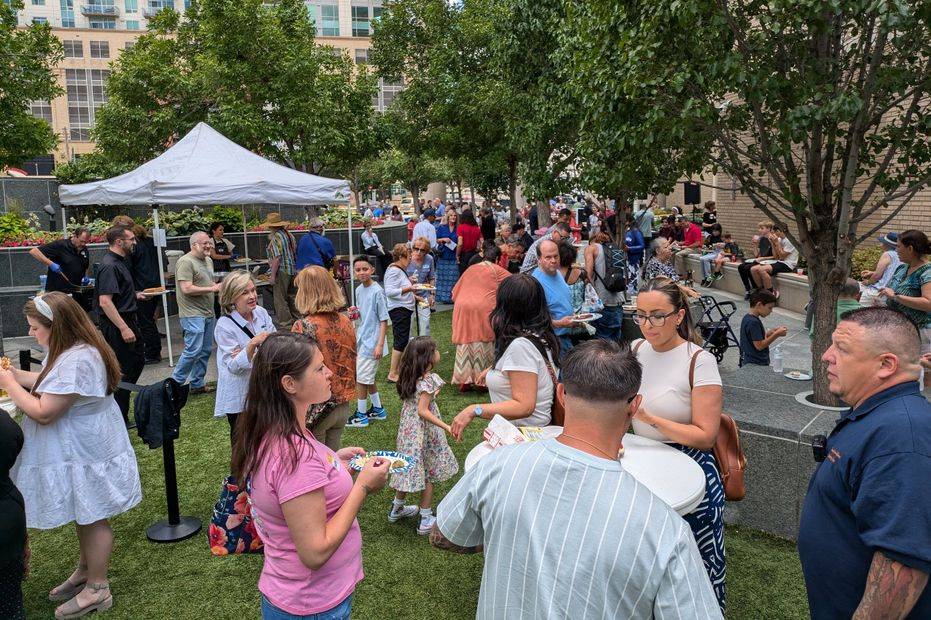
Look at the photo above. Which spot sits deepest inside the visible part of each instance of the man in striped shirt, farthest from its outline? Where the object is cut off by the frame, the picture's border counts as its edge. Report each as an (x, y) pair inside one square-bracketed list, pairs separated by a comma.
[(566, 531)]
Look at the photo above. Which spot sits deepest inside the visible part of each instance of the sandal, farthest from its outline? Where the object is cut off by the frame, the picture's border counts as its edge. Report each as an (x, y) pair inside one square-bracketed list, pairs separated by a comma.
[(73, 609), (66, 591)]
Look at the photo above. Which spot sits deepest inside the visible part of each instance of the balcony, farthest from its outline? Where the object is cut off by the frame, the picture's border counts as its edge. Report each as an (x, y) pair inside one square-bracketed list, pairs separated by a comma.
[(94, 10), (154, 9)]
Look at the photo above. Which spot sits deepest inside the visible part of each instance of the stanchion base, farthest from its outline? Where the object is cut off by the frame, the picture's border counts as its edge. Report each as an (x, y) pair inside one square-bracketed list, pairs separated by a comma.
[(163, 532)]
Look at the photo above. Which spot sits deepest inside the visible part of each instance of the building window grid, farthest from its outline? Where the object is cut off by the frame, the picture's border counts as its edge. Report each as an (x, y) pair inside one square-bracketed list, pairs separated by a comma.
[(132, 24), (362, 56), (100, 49), (73, 49), (131, 6), (67, 13), (41, 109), (38, 2), (86, 91), (101, 23), (328, 25), (360, 21), (40, 20)]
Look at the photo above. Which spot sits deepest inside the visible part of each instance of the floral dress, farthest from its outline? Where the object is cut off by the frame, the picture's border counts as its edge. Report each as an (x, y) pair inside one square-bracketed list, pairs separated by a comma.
[(434, 460)]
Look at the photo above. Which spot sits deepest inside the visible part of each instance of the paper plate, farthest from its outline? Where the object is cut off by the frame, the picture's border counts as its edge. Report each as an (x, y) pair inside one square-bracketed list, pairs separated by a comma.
[(798, 375), (358, 462), (586, 317), (768, 261)]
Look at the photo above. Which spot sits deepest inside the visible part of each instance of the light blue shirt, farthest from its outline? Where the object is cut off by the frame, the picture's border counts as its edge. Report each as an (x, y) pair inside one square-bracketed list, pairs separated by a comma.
[(570, 535), (373, 309), (558, 296)]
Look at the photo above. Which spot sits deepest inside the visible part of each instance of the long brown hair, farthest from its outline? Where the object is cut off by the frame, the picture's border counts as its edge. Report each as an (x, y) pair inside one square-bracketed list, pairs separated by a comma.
[(69, 327), (416, 360), (269, 412), (679, 300)]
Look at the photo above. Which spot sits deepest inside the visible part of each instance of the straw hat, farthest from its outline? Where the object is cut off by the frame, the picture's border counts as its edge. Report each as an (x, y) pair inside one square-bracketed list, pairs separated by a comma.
[(273, 220)]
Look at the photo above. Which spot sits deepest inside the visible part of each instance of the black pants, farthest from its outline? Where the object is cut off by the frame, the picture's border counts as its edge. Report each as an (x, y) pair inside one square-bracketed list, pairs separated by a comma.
[(464, 259), (744, 270), (232, 418), (151, 340), (128, 354)]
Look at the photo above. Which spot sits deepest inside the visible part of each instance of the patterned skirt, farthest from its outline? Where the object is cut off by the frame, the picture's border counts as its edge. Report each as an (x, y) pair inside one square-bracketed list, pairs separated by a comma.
[(447, 274), (471, 360), (707, 521)]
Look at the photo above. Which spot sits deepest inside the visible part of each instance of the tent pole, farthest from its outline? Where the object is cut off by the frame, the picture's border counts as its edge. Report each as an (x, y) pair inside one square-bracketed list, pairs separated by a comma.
[(352, 272), (164, 296), (245, 234)]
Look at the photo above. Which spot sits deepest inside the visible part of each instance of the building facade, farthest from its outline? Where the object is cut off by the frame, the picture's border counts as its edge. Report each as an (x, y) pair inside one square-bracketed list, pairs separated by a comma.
[(95, 32)]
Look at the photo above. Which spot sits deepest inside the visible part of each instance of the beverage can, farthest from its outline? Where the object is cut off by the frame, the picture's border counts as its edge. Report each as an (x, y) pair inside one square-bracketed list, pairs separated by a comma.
[(353, 313)]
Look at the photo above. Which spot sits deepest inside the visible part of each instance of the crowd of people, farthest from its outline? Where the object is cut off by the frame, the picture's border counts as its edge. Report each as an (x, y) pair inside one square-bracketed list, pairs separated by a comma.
[(287, 386)]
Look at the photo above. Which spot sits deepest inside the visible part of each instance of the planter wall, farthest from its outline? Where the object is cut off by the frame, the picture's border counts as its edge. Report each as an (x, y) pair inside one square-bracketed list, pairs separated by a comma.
[(19, 272)]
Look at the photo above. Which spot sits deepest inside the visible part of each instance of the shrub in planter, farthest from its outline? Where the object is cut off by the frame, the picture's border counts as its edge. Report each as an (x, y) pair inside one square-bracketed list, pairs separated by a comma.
[(864, 258)]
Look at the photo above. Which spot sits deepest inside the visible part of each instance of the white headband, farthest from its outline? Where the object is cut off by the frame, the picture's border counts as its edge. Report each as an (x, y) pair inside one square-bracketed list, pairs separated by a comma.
[(43, 307)]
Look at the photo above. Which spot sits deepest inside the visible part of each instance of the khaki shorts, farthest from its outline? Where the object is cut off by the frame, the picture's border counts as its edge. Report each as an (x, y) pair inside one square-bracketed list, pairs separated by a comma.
[(366, 369)]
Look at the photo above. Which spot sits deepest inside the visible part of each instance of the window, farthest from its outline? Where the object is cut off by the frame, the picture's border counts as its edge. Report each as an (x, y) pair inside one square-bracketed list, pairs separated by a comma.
[(74, 49), (360, 21), (38, 2), (329, 20), (41, 109), (132, 6), (129, 45), (100, 49), (132, 24), (387, 91), (86, 91), (362, 57), (40, 20), (67, 13), (102, 23)]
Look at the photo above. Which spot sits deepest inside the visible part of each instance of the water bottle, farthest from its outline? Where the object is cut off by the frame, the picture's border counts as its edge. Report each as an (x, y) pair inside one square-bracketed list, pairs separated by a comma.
[(777, 360), (42, 281)]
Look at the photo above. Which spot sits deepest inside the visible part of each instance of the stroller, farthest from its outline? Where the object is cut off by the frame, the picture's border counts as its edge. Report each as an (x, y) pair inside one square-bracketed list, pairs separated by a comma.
[(714, 326)]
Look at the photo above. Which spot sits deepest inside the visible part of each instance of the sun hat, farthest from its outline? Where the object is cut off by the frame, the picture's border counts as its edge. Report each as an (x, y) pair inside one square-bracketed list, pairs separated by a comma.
[(273, 220), (889, 239)]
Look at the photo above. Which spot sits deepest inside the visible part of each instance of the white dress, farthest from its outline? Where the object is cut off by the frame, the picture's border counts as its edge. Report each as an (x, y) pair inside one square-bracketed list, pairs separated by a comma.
[(81, 467)]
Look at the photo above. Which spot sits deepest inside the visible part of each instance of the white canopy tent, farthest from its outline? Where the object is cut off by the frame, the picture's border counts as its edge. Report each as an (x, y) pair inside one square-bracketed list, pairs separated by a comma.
[(207, 167)]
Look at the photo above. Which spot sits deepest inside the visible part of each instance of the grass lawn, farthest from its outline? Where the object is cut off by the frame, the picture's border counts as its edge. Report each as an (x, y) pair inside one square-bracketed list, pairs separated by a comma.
[(405, 577)]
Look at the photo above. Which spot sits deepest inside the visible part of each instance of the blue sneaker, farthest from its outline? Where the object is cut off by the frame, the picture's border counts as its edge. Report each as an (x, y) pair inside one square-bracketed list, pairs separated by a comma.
[(357, 420), (377, 413)]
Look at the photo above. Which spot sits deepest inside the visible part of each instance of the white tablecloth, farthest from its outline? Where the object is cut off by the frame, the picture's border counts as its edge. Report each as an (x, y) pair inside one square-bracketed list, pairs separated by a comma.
[(671, 475)]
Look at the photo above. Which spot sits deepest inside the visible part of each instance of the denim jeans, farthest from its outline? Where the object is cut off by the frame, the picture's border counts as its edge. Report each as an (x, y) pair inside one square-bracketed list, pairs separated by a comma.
[(565, 343), (608, 327), (198, 344), (706, 261), (340, 612)]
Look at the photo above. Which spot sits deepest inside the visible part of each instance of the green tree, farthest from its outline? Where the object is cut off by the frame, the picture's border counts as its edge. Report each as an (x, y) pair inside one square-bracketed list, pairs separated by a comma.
[(28, 57), (818, 110), (253, 71)]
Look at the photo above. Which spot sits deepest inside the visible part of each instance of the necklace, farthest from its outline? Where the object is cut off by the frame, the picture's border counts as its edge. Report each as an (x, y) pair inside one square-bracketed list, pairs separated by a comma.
[(613, 458)]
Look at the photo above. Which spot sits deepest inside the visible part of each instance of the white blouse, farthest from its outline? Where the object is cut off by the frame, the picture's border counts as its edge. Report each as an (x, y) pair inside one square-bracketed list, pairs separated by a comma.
[(396, 280), (233, 365)]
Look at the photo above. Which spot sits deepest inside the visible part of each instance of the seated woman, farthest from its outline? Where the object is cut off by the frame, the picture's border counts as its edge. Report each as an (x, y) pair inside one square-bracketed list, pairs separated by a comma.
[(77, 464), (661, 264), (520, 383)]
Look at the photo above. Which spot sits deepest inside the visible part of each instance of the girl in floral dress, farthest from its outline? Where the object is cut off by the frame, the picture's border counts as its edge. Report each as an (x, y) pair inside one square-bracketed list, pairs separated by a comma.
[(421, 433)]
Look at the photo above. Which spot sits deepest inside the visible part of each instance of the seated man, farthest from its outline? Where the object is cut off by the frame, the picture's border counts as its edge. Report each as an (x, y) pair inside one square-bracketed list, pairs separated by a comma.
[(764, 251), (567, 533)]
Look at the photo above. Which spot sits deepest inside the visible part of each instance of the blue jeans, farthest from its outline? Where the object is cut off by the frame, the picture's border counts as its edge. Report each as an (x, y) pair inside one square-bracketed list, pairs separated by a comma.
[(706, 261), (608, 327), (340, 612), (565, 343), (198, 344)]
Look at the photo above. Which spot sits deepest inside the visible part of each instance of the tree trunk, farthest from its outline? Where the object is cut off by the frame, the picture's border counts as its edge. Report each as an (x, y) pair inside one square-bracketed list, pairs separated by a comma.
[(414, 189), (355, 189), (544, 219), (825, 285), (620, 219), (512, 185)]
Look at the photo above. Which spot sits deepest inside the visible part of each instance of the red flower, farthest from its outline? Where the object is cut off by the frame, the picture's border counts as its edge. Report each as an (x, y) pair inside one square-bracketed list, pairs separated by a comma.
[(234, 521), (242, 504), (240, 546)]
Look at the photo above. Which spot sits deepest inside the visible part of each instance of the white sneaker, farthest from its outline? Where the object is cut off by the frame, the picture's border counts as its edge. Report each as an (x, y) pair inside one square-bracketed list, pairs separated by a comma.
[(401, 512), (426, 525)]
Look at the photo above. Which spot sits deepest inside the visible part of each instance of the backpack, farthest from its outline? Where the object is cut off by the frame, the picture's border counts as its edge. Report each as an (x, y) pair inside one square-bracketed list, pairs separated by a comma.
[(615, 277)]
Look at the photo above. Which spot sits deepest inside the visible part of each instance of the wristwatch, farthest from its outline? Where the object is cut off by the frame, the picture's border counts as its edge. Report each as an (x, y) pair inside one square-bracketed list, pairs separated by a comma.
[(477, 412)]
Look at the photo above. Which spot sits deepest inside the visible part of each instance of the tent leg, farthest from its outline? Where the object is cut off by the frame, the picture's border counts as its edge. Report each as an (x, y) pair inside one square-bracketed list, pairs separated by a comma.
[(161, 277)]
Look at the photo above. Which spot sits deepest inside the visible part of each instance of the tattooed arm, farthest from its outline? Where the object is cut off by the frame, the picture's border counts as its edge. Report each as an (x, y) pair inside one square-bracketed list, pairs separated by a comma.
[(441, 542), (892, 589)]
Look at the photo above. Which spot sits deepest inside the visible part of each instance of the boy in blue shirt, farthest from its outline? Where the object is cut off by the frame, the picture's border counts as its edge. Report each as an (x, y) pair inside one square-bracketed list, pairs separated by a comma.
[(371, 345), (754, 338)]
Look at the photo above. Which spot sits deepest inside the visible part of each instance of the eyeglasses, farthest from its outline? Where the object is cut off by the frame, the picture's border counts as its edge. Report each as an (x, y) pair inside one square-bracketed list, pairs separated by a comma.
[(656, 320), (419, 250)]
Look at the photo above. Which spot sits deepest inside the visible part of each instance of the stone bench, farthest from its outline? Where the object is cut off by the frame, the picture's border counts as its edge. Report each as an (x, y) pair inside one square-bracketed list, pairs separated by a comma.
[(793, 288)]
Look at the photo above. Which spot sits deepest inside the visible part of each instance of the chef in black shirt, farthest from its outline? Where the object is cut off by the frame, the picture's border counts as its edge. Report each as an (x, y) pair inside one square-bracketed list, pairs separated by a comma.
[(144, 265), (67, 261), (116, 296)]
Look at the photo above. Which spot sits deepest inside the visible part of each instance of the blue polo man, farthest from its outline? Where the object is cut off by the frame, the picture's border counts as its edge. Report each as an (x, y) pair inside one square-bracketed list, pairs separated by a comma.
[(871, 493)]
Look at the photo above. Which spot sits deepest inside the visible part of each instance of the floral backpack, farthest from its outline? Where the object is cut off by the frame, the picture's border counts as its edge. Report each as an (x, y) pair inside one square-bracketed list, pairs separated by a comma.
[(232, 528)]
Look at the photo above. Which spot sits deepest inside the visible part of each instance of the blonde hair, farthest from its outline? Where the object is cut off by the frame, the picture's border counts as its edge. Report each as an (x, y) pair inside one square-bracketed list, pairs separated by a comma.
[(123, 220), (234, 284), (399, 251), (766, 224), (69, 327), (423, 240), (317, 291)]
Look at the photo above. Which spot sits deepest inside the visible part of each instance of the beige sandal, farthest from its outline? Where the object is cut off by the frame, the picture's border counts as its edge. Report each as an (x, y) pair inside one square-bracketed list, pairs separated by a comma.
[(66, 591), (73, 609)]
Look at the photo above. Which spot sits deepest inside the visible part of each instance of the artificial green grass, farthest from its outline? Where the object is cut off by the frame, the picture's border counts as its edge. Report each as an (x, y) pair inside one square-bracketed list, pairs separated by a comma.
[(405, 577)]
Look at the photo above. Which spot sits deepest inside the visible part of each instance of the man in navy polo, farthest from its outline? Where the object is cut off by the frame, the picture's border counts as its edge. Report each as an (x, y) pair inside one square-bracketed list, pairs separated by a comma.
[(865, 533)]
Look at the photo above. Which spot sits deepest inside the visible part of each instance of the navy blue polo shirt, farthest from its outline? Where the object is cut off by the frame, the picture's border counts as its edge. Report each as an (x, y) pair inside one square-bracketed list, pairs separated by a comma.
[(872, 493)]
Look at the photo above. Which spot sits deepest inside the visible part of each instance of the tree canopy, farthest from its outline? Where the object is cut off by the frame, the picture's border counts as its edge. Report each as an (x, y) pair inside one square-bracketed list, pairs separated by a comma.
[(29, 56)]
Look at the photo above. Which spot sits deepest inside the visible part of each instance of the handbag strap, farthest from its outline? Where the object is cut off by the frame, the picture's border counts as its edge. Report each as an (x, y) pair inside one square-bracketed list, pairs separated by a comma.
[(245, 329)]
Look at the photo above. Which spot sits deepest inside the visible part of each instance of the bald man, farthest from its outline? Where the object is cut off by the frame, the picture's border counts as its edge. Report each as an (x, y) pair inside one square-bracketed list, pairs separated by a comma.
[(865, 532), (195, 293), (558, 295)]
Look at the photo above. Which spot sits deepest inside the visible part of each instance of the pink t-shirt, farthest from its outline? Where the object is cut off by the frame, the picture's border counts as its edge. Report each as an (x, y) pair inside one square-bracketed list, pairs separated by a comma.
[(285, 581)]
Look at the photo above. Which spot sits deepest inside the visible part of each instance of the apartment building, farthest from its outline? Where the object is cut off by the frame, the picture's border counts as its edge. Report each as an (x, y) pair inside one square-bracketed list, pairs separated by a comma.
[(96, 32)]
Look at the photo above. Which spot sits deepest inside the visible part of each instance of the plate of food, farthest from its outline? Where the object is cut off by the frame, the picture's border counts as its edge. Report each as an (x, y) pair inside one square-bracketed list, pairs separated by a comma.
[(5, 363), (585, 317), (400, 463), (155, 290), (241, 260), (424, 287), (798, 375)]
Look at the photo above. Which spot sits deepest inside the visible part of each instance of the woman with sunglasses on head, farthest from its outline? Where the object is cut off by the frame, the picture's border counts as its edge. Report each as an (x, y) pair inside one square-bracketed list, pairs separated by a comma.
[(303, 497), (77, 464), (422, 270), (682, 400)]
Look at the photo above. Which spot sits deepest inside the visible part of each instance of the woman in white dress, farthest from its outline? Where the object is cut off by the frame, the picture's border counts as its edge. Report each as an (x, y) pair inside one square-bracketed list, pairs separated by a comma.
[(77, 464), (239, 332)]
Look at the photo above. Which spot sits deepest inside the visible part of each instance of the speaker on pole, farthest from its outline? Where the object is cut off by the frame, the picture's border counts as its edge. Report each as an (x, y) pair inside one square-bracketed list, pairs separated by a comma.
[(692, 192)]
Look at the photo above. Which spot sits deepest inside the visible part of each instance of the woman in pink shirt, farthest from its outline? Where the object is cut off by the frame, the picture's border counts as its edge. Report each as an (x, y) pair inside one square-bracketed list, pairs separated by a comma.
[(302, 495)]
